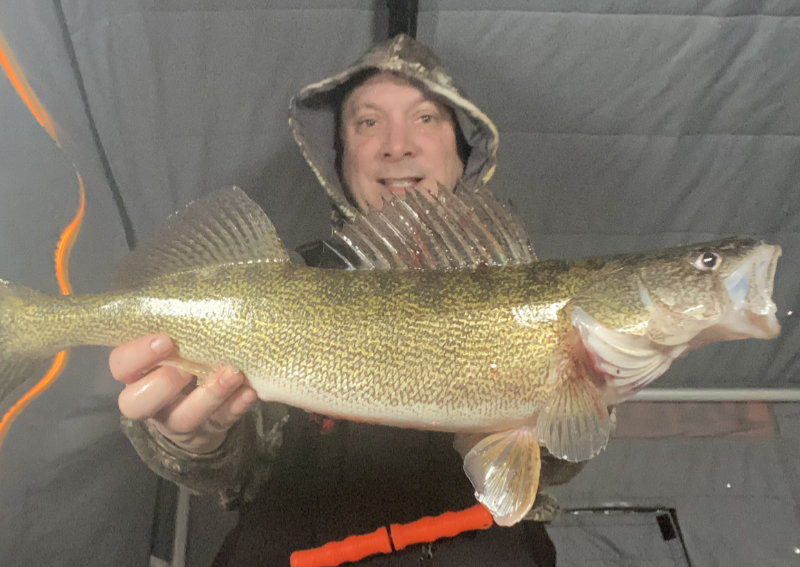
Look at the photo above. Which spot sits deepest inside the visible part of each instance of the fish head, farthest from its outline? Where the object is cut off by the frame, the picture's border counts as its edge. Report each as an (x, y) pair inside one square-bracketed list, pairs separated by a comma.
[(646, 309), (710, 292)]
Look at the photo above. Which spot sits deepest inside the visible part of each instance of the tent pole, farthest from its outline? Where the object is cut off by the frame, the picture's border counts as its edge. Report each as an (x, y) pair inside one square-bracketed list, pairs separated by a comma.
[(717, 395), (179, 544), (403, 17)]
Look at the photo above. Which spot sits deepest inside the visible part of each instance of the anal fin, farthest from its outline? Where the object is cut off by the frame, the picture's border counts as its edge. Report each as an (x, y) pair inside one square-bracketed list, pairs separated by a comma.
[(504, 470)]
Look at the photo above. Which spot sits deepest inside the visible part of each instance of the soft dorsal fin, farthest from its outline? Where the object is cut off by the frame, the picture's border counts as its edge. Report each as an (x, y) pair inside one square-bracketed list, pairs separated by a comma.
[(461, 229), (224, 227)]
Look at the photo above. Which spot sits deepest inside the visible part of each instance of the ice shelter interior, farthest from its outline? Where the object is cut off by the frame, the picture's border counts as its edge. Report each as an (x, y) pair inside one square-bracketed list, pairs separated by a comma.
[(623, 125)]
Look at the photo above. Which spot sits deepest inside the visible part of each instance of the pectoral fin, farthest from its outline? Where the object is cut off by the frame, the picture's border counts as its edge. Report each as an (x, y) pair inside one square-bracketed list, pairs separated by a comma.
[(504, 469), (574, 424)]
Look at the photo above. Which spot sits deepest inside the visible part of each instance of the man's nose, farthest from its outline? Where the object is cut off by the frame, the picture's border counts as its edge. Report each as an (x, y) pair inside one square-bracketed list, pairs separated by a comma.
[(398, 142)]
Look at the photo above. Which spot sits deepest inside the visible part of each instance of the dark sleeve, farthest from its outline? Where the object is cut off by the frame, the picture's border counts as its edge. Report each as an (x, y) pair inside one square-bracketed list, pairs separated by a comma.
[(327, 254), (235, 471)]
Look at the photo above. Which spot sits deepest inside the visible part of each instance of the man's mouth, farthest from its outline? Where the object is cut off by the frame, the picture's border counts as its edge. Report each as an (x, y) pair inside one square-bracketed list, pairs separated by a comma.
[(399, 185)]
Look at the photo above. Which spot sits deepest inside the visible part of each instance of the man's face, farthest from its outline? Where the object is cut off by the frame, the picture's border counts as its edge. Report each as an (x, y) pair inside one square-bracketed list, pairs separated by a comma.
[(395, 138)]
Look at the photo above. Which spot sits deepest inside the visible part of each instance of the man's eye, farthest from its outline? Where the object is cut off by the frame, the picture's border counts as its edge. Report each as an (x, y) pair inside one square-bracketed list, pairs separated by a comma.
[(426, 118), (368, 122)]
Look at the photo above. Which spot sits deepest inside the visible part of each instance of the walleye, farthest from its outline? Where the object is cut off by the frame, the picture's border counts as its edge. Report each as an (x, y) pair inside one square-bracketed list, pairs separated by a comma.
[(510, 355)]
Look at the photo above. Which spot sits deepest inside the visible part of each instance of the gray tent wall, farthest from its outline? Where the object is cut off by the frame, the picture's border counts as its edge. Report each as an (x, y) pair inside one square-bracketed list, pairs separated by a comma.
[(72, 492), (180, 98), (623, 125)]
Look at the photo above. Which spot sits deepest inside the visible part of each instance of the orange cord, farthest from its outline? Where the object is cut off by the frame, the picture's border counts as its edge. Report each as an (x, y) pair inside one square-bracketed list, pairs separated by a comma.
[(23, 88), (44, 382), (353, 548), (67, 240), (399, 536), (449, 524), (20, 83)]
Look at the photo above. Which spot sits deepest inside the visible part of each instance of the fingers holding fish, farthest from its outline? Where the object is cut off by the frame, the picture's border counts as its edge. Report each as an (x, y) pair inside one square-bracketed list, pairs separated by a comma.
[(241, 401), (195, 418), (198, 421), (148, 395), (132, 360), (186, 415)]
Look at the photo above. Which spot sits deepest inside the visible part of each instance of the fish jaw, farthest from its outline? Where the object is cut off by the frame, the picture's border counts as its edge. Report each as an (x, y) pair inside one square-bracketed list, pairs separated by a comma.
[(752, 312)]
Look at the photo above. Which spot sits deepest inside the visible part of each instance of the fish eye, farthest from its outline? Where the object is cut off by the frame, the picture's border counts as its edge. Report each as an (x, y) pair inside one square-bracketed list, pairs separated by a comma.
[(707, 261)]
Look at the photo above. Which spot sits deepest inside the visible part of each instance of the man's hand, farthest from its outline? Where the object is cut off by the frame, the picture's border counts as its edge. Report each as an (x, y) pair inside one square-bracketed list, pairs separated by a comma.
[(196, 418)]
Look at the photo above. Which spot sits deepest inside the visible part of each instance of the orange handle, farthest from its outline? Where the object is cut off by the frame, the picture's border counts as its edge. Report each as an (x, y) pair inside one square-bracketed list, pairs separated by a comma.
[(448, 524), (335, 553)]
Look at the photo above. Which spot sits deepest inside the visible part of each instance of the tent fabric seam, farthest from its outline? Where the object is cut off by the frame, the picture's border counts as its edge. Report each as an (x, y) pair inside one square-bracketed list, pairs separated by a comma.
[(127, 224)]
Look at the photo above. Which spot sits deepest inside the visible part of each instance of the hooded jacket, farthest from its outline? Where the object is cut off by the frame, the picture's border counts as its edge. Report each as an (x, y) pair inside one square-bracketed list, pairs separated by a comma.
[(242, 467), (314, 112)]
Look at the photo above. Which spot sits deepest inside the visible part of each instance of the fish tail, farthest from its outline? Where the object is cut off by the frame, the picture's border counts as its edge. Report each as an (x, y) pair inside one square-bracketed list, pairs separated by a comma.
[(21, 348)]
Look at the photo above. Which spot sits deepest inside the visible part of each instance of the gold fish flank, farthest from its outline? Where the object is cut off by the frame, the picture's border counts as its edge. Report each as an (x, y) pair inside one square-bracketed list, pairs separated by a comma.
[(422, 349), (508, 356)]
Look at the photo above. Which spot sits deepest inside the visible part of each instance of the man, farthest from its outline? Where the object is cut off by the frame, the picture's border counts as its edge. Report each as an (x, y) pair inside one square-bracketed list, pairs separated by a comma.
[(392, 122)]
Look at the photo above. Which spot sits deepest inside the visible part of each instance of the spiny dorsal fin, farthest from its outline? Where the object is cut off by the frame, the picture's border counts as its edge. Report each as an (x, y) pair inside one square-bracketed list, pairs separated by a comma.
[(224, 227), (465, 228)]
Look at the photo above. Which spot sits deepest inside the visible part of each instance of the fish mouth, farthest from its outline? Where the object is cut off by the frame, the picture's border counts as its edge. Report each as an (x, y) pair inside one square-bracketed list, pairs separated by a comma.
[(751, 312)]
